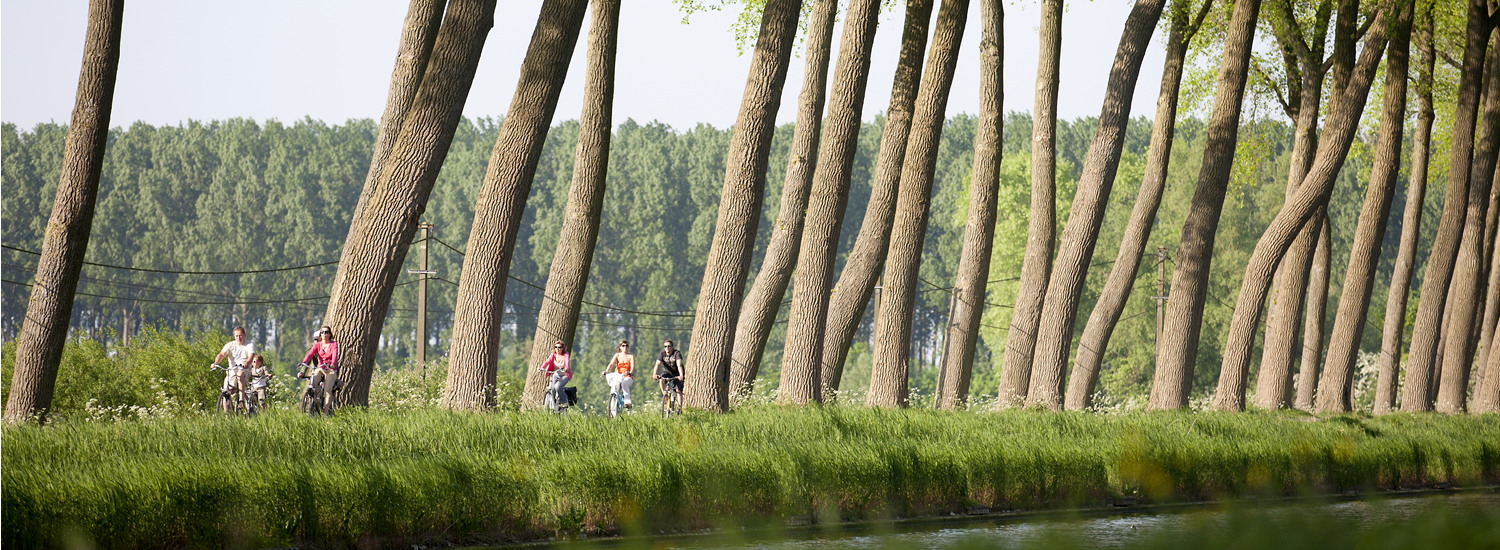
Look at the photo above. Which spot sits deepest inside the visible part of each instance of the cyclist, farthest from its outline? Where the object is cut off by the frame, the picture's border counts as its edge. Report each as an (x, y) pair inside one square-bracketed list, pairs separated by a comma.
[(239, 353), (621, 372), (325, 355), (260, 379), (669, 369), (559, 371)]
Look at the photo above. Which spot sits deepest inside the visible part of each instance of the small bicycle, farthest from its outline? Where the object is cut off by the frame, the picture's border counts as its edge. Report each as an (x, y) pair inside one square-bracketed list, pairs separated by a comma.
[(671, 396)]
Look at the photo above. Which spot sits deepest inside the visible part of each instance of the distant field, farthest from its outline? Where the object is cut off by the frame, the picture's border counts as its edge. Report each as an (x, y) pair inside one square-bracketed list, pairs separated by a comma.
[(430, 476)]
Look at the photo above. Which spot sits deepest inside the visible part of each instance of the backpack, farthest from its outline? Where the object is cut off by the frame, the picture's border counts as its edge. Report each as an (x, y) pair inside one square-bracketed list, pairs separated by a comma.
[(572, 395)]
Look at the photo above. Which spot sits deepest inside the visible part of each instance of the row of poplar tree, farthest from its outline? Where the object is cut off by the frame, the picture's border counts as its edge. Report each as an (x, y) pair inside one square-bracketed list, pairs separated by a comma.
[(984, 255)]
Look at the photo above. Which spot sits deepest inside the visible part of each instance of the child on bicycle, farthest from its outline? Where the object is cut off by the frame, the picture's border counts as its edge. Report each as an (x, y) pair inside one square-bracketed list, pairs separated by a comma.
[(559, 370), (621, 372), (260, 380)]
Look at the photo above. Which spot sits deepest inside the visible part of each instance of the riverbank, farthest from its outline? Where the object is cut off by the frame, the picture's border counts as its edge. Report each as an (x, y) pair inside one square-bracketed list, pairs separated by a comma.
[(435, 477)]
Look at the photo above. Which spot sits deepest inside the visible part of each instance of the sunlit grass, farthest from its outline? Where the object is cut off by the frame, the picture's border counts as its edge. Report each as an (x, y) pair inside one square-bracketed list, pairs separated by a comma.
[(427, 474)]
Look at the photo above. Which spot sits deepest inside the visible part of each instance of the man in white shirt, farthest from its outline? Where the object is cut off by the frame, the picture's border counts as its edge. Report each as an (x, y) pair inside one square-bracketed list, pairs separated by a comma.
[(239, 353)]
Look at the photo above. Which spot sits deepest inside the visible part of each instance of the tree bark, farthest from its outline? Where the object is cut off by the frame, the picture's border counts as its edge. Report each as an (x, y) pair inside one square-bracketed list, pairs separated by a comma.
[(1305, 98), (1178, 348), (1041, 231), (969, 287), (846, 304), (1411, 226), (739, 210), (568, 277), (357, 305), (892, 349), (1059, 309), (830, 194), (758, 313), (419, 33), (1311, 360), (1369, 233), (1491, 306), (1452, 388), (44, 331), (502, 200), (1344, 111), (1117, 288), (1416, 393)]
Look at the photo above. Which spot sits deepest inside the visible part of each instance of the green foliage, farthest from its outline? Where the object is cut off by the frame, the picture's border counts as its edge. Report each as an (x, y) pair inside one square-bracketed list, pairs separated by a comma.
[(283, 479)]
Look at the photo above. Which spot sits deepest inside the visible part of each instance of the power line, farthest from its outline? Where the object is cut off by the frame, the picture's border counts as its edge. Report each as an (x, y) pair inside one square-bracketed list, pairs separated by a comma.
[(173, 272), (183, 302)]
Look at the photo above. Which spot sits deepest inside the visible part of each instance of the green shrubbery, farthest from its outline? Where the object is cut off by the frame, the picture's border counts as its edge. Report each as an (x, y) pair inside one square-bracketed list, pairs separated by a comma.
[(429, 475)]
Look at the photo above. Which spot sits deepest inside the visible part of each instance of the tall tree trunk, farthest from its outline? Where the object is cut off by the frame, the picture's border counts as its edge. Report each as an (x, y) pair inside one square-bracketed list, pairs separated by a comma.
[(419, 33), (969, 287), (1117, 288), (1178, 347), (846, 304), (1394, 327), (892, 349), (1452, 388), (1059, 309), (758, 313), (739, 210), (1311, 359), (1036, 265), (475, 349), (1345, 107), (1416, 393), (1369, 233), (1305, 98), (45, 329), (568, 277), (372, 259), (1491, 306), (830, 192)]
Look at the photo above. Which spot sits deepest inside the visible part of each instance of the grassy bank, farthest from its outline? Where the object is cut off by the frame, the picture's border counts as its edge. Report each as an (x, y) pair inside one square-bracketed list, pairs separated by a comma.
[(426, 475)]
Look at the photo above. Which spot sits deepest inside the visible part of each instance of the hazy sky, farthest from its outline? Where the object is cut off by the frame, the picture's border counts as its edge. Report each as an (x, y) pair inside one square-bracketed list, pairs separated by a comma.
[(331, 60)]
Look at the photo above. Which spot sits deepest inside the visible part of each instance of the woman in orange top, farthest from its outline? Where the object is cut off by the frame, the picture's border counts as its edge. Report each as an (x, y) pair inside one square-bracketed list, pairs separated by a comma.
[(621, 372)]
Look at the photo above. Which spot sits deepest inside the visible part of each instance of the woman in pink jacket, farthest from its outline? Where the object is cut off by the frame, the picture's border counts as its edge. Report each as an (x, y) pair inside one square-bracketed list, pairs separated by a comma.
[(325, 355)]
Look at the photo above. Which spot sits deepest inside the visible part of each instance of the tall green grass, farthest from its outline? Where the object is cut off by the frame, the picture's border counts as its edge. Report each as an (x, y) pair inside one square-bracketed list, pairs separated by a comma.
[(428, 475)]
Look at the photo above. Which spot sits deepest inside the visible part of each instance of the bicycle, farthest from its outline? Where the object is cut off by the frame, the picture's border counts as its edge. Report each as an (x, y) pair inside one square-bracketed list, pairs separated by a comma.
[(313, 397), (259, 387), (232, 398), (671, 396), (549, 400)]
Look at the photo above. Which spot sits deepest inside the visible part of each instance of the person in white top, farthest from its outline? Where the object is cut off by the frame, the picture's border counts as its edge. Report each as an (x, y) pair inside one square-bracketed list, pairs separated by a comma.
[(239, 353)]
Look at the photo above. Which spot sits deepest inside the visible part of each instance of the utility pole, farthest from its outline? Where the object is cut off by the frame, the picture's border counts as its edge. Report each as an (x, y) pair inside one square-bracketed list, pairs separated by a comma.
[(422, 273), (1161, 293), (937, 398)]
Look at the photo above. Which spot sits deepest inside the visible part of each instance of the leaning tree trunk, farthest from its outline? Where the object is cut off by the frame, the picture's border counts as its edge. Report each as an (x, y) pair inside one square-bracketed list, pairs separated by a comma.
[(1369, 233), (892, 349), (1117, 288), (1453, 387), (1416, 394), (846, 304), (1345, 107), (1411, 227), (475, 349), (372, 260), (1491, 306), (758, 313), (803, 350), (969, 287), (739, 210), (568, 277), (1487, 390), (1059, 310), (1036, 264), (1178, 347), (418, 35), (39, 348)]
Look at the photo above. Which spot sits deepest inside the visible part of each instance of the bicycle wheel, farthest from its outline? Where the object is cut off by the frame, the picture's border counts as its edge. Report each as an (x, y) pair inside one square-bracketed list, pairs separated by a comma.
[(310, 402), (225, 405)]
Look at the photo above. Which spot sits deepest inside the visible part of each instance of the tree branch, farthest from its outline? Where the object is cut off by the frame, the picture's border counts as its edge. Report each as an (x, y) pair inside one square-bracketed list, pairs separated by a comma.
[(1285, 107)]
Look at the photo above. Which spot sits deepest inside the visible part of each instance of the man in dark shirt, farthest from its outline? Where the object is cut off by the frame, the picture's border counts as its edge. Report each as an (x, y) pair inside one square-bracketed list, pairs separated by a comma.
[(669, 367)]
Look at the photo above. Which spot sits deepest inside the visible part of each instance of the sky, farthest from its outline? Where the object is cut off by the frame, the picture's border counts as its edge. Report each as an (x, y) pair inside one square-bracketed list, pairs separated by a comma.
[(332, 59)]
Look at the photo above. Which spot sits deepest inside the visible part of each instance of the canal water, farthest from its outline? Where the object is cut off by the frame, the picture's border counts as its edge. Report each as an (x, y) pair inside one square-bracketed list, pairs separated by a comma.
[(1461, 520)]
